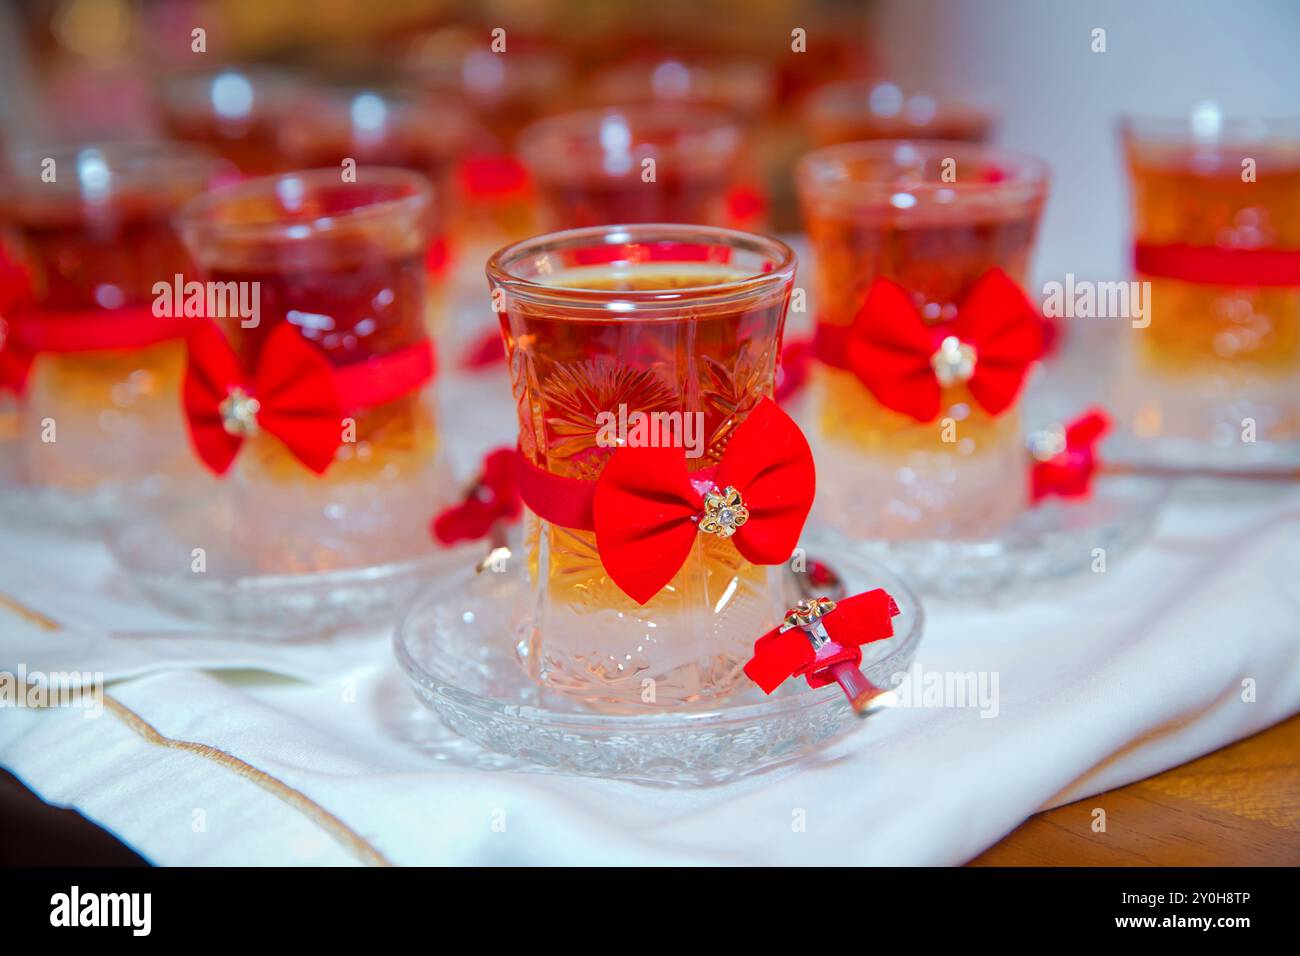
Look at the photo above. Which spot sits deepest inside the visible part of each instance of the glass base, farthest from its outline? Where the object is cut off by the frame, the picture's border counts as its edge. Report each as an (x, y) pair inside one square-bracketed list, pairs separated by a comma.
[(1057, 539), (193, 561), (460, 646), (1206, 423), (74, 512)]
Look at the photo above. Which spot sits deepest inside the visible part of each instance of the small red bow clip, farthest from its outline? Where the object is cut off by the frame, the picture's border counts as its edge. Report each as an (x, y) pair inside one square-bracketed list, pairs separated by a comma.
[(821, 640), (291, 395), (493, 498), (1065, 457), (996, 335)]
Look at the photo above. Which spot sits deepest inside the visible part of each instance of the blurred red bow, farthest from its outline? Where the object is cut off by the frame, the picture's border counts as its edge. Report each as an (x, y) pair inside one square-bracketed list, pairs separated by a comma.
[(647, 509), (291, 395), (906, 363), (15, 358), (493, 497), (787, 651), (1064, 458), (294, 394)]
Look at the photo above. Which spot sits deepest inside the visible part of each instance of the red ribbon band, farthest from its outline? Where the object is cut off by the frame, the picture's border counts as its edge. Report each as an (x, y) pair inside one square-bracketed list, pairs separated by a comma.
[(1212, 265)]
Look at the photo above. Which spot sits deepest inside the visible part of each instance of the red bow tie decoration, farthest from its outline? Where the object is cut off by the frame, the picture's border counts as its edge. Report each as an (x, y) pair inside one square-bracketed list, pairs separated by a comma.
[(646, 508), (1064, 457), (821, 640), (492, 498), (294, 394), (996, 335)]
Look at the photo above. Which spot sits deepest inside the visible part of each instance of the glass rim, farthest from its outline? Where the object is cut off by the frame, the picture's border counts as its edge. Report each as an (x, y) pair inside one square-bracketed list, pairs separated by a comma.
[(196, 213), (499, 274), (141, 166), (272, 86), (1218, 130), (407, 104), (828, 98), (693, 118), (810, 171)]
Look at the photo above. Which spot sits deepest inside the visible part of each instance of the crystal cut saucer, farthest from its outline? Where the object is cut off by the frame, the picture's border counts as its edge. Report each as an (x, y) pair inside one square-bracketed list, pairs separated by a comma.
[(157, 551), (458, 647), (1188, 425), (1057, 539)]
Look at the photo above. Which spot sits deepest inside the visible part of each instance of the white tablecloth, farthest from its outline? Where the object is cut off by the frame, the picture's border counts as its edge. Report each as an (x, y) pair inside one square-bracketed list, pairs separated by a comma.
[(212, 751)]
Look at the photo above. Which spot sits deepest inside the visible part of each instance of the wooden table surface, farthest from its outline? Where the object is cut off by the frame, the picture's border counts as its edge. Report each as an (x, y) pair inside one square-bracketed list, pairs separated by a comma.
[(1239, 806)]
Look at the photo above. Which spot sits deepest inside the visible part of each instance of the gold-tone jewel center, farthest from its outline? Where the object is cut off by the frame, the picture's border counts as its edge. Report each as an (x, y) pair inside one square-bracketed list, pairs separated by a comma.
[(954, 362), (239, 413), (724, 512), (807, 612)]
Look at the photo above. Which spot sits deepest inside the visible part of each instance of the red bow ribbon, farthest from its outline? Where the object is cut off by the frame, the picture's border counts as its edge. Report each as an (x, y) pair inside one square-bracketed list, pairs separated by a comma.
[(646, 508), (996, 335), (838, 629), (1065, 458), (294, 394), (792, 374), (493, 497)]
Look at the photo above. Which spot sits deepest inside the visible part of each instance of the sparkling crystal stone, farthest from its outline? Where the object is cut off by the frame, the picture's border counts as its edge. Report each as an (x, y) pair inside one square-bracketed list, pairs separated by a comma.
[(954, 362), (724, 512), (239, 413), (1046, 444)]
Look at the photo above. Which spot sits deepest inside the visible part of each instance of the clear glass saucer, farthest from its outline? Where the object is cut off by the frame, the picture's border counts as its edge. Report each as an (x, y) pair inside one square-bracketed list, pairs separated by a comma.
[(458, 647), (70, 511), (156, 550), (1057, 539), (1176, 426)]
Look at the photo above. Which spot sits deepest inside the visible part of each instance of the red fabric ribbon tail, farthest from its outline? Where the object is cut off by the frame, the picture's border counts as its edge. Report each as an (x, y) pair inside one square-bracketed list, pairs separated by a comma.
[(778, 656)]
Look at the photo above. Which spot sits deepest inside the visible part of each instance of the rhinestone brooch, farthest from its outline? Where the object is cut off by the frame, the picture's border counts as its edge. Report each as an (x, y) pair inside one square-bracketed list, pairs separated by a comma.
[(239, 413), (954, 362), (724, 512)]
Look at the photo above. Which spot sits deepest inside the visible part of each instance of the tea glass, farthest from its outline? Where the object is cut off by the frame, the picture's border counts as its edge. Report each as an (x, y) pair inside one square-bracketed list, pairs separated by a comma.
[(95, 234), (1216, 231), (849, 111), (887, 210), (235, 113), (649, 163), (380, 128), (343, 263), (639, 318)]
